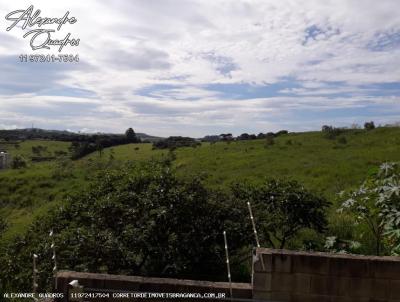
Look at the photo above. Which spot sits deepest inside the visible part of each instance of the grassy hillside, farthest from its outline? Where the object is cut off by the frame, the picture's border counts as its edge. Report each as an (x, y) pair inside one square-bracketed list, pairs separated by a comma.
[(321, 164)]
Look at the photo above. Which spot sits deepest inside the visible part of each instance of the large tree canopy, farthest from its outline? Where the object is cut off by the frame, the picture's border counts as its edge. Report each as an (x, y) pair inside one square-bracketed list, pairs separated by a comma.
[(140, 221), (143, 220)]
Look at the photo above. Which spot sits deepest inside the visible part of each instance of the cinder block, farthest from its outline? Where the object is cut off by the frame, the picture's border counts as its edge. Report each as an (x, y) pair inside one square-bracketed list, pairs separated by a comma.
[(320, 285), (394, 289), (265, 266), (352, 299), (310, 264), (262, 281), (272, 296), (360, 287), (310, 298), (282, 263), (261, 295), (380, 289), (282, 282), (385, 269), (349, 267), (301, 283), (280, 297)]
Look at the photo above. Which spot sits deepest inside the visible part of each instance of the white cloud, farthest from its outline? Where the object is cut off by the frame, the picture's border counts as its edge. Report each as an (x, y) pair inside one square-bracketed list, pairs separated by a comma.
[(129, 45)]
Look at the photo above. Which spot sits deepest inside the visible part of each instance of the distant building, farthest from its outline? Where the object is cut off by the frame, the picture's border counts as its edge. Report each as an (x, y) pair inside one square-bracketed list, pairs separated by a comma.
[(3, 159)]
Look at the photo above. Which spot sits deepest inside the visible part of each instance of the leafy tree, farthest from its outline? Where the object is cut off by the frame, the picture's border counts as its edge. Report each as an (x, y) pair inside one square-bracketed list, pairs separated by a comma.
[(369, 125), (18, 162), (282, 209), (281, 132), (131, 135), (377, 205), (226, 136), (174, 142), (99, 147), (141, 221), (244, 136), (331, 132)]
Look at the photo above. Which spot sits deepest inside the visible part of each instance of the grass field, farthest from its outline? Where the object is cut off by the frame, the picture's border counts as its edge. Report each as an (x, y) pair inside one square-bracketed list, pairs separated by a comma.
[(322, 165)]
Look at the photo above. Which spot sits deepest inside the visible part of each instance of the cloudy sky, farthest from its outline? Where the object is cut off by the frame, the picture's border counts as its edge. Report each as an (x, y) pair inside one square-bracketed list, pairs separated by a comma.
[(183, 67)]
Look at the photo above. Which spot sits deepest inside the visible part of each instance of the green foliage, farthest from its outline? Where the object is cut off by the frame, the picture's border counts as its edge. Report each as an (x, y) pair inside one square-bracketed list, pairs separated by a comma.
[(37, 150), (141, 220), (281, 132), (174, 142), (342, 140), (31, 192), (18, 162), (331, 132), (282, 209), (97, 142), (369, 125), (246, 136), (131, 136), (377, 204)]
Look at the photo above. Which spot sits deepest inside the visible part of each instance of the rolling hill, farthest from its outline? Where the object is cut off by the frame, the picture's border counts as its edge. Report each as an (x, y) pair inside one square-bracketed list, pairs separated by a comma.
[(323, 165)]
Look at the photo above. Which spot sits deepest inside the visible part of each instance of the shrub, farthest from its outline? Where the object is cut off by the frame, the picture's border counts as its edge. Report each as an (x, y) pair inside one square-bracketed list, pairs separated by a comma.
[(369, 125), (281, 132), (141, 220), (376, 204), (174, 142), (331, 132), (18, 162), (282, 209)]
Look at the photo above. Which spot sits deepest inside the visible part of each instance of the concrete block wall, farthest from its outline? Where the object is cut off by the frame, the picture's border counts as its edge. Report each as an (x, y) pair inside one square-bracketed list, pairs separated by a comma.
[(318, 277), (120, 283)]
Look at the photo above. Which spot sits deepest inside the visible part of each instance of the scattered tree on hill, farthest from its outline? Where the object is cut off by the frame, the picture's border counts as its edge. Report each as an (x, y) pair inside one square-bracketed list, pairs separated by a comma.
[(131, 135), (211, 138), (226, 136), (98, 142), (174, 142), (246, 136), (369, 125), (281, 132), (37, 150), (18, 162), (100, 148), (331, 132)]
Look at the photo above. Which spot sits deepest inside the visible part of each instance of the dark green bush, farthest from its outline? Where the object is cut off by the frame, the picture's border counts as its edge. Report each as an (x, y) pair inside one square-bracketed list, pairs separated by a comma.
[(140, 221), (282, 209)]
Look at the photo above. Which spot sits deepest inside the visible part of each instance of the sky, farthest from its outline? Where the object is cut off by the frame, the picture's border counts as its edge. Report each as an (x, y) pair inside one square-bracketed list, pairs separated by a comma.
[(202, 67)]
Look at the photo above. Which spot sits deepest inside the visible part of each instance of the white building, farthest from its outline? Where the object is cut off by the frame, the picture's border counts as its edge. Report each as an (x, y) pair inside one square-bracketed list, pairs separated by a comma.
[(3, 159)]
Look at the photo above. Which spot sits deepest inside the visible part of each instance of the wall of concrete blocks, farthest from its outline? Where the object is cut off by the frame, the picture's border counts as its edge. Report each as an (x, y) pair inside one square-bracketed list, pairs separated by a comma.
[(319, 277), (105, 283)]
